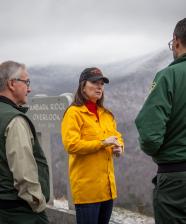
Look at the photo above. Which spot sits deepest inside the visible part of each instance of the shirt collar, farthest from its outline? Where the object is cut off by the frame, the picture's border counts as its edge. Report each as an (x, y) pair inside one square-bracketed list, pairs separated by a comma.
[(179, 59), (84, 109), (6, 100)]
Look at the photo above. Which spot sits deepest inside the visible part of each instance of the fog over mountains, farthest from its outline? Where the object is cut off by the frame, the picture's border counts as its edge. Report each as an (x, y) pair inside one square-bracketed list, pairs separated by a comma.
[(59, 78), (130, 83)]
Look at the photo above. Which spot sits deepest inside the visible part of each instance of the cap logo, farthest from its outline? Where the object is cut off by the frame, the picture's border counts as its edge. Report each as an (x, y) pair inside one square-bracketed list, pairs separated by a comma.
[(92, 74), (96, 72)]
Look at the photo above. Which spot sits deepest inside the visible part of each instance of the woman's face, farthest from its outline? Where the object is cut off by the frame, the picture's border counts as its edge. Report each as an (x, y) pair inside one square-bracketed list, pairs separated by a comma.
[(94, 90)]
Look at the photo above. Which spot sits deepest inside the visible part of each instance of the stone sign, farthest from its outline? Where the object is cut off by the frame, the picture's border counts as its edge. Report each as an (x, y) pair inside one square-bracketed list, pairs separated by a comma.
[(46, 113)]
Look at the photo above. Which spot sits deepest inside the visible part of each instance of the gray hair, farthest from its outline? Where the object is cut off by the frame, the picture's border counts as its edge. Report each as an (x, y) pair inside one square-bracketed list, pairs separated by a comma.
[(9, 70)]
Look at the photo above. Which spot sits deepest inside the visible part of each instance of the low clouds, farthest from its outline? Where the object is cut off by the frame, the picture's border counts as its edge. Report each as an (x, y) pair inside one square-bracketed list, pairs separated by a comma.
[(85, 31)]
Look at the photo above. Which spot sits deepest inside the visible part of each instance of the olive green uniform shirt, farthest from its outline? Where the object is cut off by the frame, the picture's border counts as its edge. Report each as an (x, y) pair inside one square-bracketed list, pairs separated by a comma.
[(161, 122)]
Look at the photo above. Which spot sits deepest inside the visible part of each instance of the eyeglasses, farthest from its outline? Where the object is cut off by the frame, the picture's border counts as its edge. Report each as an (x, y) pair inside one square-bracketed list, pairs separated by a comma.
[(170, 44), (26, 82)]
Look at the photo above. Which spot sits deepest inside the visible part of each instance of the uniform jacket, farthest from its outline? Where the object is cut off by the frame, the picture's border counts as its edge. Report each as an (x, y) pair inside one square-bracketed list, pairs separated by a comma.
[(90, 164), (162, 120)]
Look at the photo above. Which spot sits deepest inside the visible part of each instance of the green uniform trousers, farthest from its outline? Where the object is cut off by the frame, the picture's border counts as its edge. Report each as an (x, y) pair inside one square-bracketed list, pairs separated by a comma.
[(22, 215), (169, 198)]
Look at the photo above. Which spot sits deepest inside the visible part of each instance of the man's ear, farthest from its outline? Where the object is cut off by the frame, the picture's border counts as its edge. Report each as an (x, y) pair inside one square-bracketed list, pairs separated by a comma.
[(178, 44), (10, 85)]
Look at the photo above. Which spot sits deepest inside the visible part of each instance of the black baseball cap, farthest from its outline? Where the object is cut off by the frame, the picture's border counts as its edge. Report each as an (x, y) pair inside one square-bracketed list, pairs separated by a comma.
[(92, 74)]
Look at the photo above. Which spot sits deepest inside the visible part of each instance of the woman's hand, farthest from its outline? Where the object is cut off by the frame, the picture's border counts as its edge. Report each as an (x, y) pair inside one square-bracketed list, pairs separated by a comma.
[(111, 141), (117, 151)]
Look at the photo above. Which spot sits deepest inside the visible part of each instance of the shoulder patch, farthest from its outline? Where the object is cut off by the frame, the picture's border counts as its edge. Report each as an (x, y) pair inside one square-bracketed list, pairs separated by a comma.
[(152, 86)]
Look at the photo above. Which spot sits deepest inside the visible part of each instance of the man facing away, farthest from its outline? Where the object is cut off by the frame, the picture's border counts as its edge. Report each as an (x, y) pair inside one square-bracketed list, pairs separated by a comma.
[(162, 128), (24, 176)]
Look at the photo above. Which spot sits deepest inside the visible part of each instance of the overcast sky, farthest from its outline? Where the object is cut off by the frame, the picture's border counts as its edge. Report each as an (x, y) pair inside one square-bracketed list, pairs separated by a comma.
[(85, 31)]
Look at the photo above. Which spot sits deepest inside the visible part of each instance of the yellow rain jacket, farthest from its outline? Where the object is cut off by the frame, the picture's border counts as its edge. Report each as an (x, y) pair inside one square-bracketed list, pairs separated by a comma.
[(90, 163)]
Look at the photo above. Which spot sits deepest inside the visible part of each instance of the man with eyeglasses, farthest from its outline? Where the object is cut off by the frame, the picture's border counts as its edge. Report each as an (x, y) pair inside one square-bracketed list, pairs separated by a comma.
[(24, 176), (162, 133)]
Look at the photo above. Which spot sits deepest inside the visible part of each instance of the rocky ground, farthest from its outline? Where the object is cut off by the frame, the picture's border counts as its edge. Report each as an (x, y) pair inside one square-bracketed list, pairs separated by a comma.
[(123, 216)]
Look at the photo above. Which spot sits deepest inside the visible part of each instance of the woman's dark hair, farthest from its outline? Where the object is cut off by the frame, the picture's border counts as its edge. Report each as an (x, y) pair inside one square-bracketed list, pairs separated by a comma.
[(80, 97), (180, 31)]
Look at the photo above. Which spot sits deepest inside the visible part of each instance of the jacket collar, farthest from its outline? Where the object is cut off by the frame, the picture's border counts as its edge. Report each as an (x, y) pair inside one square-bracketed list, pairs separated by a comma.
[(6, 100), (84, 109), (178, 60)]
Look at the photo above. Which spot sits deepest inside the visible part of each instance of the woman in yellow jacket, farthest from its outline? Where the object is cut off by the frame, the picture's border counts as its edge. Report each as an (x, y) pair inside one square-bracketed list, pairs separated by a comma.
[(90, 137)]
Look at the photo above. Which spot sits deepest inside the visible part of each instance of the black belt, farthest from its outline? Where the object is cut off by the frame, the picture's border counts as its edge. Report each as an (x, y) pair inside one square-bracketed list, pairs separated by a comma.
[(6, 204), (171, 167)]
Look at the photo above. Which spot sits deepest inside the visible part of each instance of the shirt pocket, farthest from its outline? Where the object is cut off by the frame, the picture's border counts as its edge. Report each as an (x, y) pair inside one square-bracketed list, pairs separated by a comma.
[(90, 134)]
